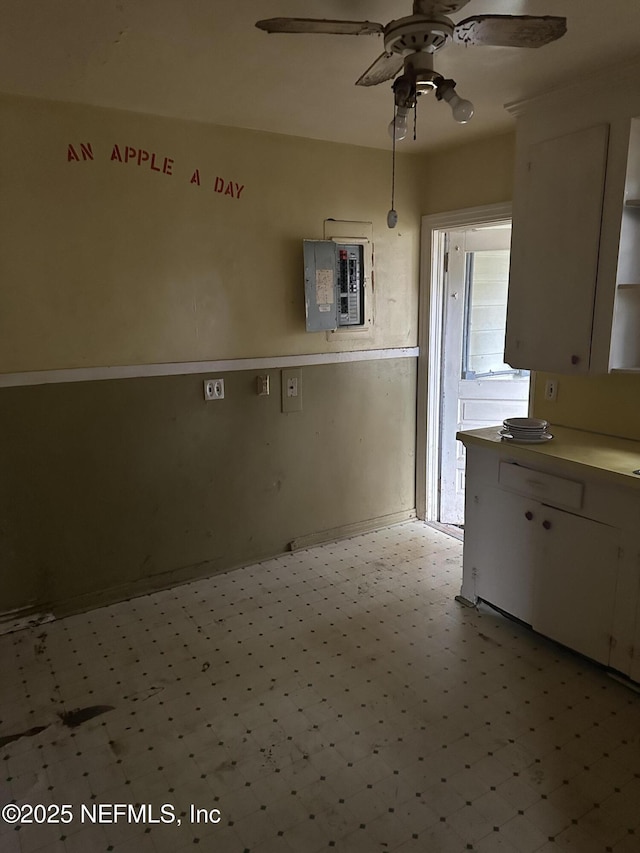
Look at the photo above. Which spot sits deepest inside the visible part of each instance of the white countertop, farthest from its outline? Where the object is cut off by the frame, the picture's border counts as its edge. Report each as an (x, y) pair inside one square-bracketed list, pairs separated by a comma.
[(613, 458)]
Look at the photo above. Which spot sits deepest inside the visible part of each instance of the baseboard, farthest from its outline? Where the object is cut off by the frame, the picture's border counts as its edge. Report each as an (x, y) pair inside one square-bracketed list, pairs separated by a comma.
[(347, 530), (150, 584), (31, 616), (34, 615)]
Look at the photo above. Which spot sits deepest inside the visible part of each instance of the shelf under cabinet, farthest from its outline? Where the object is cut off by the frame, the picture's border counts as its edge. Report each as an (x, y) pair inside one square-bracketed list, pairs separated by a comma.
[(625, 370), (632, 202), (628, 285)]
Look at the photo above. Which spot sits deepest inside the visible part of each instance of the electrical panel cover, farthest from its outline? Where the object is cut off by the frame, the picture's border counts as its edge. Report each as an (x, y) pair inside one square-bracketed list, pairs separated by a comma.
[(334, 284)]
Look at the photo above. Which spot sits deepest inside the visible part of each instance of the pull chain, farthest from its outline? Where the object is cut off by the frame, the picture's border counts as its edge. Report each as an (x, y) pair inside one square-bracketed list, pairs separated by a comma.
[(392, 216)]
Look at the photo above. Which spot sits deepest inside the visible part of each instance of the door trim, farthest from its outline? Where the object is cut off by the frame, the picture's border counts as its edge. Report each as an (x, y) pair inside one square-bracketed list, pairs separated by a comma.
[(430, 317)]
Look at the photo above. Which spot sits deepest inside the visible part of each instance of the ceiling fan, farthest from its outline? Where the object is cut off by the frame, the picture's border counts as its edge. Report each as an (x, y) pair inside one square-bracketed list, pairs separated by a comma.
[(410, 43)]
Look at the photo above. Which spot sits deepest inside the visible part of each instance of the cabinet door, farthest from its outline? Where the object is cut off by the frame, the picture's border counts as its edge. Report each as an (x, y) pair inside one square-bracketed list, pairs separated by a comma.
[(500, 546), (575, 582), (634, 665), (625, 651), (554, 253)]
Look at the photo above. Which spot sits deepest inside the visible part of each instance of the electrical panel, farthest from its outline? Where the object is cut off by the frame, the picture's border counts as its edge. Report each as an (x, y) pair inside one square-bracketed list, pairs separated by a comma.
[(334, 283), (350, 285)]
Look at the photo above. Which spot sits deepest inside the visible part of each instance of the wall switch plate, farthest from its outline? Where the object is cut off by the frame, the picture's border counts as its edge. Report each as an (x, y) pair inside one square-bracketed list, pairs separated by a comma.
[(214, 389), (292, 389), (551, 389), (262, 386)]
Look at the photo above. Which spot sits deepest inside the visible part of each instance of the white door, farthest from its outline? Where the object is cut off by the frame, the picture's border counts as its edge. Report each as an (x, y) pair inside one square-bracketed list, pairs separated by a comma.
[(478, 388)]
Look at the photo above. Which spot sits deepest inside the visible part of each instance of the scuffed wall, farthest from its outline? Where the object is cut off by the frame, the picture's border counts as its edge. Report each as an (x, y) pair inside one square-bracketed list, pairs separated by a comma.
[(131, 240)]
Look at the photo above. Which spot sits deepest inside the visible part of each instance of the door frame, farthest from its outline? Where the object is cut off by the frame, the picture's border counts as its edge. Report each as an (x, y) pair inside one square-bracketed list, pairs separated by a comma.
[(430, 331)]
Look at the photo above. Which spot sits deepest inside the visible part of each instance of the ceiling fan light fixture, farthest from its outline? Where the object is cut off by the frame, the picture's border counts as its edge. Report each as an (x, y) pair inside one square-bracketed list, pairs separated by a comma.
[(418, 68), (399, 124), (462, 109), (427, 82)]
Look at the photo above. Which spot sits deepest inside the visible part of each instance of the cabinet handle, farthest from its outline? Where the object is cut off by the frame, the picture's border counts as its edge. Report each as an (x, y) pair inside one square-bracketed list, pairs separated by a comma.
[(546, 525), (528, 515), (575, 359)]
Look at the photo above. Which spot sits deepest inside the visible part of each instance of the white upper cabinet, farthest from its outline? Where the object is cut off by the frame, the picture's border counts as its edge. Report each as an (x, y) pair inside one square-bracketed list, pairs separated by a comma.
[(554, 252), (574, 285)]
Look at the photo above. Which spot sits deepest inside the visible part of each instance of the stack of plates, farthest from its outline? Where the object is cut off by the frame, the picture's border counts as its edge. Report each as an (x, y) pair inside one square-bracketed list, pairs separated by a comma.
[(525, 430)]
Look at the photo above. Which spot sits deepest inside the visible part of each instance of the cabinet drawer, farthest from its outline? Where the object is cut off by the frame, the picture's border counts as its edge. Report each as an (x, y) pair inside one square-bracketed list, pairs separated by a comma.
[(542, 486)]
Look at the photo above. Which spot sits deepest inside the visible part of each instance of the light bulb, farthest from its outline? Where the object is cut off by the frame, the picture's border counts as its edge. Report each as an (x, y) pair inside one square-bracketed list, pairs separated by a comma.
[(398, 126), (462, 110)]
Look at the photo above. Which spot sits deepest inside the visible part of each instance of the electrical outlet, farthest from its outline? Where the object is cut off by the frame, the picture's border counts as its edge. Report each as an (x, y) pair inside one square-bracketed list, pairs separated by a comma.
[(292, 389), (551, 389), (214, 389)]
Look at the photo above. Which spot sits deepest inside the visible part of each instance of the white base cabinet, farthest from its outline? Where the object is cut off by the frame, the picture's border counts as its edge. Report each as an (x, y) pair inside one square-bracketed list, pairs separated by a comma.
[(560, 553), (500, 559), (575, 581)]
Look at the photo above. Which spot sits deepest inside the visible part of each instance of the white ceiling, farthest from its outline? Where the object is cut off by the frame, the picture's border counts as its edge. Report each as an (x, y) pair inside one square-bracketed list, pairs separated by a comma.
[(205, 60)]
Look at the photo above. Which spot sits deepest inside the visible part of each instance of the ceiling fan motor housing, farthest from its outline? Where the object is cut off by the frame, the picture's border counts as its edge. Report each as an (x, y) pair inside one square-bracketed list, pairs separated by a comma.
[(417, 33), (418, 67)]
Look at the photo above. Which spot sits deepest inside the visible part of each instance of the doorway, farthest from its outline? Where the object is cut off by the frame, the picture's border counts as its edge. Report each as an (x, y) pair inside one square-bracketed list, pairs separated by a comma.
[(468, 383)]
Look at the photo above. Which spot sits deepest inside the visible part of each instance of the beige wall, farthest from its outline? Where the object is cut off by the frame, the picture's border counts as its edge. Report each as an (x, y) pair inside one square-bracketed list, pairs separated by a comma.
[(469, 175), (107, 263), (116, 487), (607, 404), (113, 487)]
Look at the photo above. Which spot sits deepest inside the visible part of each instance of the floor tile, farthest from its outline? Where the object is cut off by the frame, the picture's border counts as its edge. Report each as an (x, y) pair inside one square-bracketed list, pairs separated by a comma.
[(336, 698)]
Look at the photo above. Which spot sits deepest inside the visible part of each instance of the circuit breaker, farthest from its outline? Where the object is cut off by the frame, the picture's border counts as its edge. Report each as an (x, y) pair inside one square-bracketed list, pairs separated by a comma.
[(334, 284)]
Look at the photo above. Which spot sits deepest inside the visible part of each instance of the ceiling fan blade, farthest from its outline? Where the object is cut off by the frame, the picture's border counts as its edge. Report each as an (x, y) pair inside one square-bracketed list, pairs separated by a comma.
[(313, 25), (438, 7), (510, 30), (384, 68)]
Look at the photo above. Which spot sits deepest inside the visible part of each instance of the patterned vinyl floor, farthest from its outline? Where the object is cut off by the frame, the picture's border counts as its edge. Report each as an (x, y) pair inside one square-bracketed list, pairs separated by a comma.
[(333, 699)]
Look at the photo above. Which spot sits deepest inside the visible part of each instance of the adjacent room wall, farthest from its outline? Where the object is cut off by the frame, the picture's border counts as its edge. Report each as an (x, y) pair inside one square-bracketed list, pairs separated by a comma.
[(192, 255)]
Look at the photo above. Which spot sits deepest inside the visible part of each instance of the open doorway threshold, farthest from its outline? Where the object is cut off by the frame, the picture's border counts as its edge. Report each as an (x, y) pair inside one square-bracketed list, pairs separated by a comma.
[(455, 530)]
